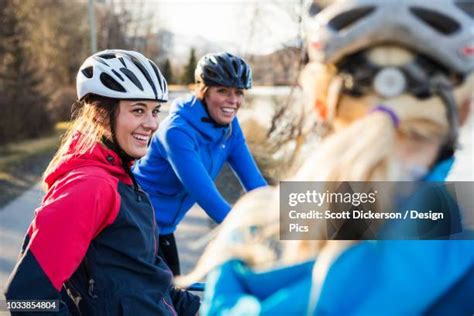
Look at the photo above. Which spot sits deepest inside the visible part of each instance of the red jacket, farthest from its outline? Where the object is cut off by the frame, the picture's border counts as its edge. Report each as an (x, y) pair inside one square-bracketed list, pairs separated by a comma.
[(95, 234)]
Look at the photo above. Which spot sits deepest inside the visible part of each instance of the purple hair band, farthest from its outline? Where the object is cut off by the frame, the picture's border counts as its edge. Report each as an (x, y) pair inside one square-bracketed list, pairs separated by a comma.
[(385, 109)]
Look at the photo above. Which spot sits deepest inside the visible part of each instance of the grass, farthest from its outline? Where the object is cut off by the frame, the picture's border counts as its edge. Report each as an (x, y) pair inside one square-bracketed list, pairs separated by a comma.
[(22, 163), (14, 154)]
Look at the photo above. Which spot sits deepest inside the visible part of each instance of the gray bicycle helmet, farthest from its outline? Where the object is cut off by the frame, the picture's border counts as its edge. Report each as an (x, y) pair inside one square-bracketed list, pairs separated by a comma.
[(121, 74), (440, 33), (442, 30), (223, 69)]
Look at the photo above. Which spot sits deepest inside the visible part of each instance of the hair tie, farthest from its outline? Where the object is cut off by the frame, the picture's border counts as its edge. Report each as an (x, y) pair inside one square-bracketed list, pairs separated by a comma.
[(391, 113)]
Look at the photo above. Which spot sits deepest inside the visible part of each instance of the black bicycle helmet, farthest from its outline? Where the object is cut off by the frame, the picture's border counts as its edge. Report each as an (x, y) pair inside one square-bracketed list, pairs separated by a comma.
[(223, 69)]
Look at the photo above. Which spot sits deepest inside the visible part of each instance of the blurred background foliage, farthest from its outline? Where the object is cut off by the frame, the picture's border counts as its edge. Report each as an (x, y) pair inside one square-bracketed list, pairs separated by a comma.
[(43, 43)]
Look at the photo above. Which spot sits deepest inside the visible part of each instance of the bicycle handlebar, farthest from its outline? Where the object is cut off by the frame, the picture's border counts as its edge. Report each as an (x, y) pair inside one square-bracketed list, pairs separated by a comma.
[(197, 287)]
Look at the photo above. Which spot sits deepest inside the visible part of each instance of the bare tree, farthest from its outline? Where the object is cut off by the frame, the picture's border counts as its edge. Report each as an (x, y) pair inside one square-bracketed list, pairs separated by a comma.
[(22, 102)]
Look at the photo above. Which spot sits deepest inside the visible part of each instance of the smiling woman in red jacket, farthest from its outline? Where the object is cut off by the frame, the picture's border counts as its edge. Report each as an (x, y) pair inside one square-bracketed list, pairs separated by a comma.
[(94, 236)]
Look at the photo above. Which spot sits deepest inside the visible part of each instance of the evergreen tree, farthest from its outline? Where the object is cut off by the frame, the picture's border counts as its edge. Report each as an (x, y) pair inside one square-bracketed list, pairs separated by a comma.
[(167, 71), (188, 76)]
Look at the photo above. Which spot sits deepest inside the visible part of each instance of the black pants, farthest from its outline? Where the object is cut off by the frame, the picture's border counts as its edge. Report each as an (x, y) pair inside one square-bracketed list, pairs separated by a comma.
[(169, 252)]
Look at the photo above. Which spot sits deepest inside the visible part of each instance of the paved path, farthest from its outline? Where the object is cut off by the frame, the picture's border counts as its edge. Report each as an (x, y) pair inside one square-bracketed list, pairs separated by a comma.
[(14, 220)]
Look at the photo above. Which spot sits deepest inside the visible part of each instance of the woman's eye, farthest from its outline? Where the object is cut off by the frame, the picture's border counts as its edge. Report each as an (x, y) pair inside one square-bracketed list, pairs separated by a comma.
[(222, 90), (240, 93), (156, 112)]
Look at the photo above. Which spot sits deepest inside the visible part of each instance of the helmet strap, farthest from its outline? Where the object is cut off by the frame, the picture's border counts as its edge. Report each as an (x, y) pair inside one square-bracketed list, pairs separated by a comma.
[(334, 96), (114, 145), (331, 105)]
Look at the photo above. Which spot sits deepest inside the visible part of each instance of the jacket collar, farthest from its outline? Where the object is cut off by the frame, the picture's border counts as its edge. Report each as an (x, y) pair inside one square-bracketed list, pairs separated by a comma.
[(98, 156)]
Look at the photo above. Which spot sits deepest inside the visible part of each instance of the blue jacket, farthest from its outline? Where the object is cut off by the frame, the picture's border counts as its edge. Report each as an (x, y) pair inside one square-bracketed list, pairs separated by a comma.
[(185, 156), (371, 278), (398, 277)]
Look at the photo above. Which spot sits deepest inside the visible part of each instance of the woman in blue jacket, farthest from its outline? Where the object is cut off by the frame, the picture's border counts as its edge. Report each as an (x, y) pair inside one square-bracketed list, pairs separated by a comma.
[(192, 145), (392, 90)]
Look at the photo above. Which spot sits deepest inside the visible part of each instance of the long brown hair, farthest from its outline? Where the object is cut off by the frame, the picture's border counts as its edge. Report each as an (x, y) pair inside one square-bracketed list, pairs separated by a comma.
[(93, 117)]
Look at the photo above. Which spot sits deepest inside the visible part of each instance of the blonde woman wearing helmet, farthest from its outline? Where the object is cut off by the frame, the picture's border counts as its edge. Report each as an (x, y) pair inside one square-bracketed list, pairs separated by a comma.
[(191, 146), (390, 82), (92, 247)]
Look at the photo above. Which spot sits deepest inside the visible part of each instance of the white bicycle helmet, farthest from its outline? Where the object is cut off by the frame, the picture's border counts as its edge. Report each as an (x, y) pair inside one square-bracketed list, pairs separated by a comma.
[(443, 30), (121, 74)]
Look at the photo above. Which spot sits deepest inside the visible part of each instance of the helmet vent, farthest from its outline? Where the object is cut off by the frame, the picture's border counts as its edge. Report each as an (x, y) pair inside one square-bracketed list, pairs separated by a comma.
[(244, 77), (467, 6), (211, 73), (236, 66), (314, 9), (130, 75), (145, 73), (436, 20), (117, 74), (107, 56), (122, 61), (227, 72), (88, 72), (111, 83), (213, 61), (100, 61), (157, 74), (346, 19)]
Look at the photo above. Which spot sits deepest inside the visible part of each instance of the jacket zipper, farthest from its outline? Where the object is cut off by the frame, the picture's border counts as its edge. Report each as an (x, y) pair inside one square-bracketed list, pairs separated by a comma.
[(91, 288), (91, 280), (229, 133), (154, 231), (170, 307), (74, 295), (153, 221)]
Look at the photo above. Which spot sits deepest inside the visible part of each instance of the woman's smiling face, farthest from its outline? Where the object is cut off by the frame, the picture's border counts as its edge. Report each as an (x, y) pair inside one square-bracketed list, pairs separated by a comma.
[(223, 103), (135, 123)]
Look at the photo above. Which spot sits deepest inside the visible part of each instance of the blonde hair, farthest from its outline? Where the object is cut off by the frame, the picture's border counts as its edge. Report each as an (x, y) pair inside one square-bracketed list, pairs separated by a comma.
[(93, 119), (200, 90), (359, 146)]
